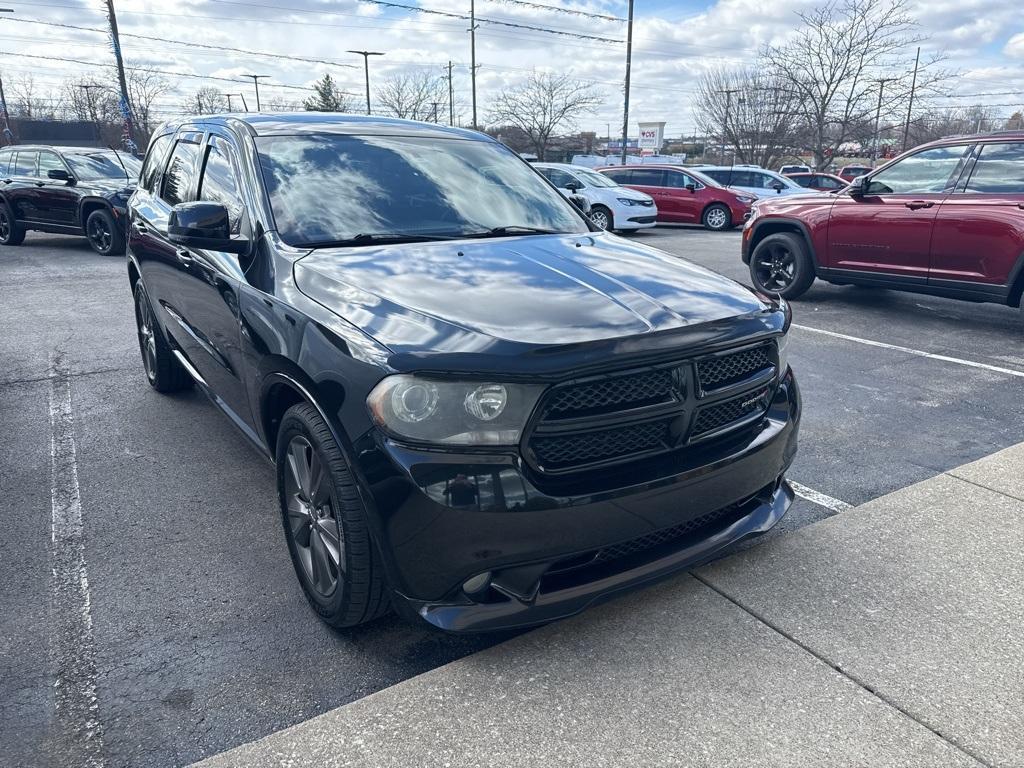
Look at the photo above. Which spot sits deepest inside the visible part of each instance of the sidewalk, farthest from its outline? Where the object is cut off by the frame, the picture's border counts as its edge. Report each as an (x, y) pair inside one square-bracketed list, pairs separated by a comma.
[(888, 635)]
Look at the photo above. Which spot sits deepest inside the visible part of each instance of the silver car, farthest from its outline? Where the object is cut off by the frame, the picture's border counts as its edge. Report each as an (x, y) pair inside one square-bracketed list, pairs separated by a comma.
[(760, 181), (611, 206)]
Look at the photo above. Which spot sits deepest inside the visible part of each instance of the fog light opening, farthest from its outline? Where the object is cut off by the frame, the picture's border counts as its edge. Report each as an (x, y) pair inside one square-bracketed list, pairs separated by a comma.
[(476, 585)]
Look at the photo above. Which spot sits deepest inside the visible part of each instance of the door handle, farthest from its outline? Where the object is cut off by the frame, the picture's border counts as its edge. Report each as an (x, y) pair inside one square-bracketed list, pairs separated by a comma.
[(915, 204), (140, 227), (184, 256), (8, 181), (40, 183), (1021, 206)]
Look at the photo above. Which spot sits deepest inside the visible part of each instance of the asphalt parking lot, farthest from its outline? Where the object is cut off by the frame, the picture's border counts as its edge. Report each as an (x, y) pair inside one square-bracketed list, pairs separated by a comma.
[(198, 637)]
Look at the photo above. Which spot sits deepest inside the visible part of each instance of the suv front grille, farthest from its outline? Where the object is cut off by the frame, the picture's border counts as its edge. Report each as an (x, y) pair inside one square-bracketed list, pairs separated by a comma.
[(623, 416), (728, 369)]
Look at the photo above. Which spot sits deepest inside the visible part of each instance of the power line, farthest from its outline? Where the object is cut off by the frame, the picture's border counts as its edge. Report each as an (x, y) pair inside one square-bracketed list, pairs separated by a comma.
[(559, 9)]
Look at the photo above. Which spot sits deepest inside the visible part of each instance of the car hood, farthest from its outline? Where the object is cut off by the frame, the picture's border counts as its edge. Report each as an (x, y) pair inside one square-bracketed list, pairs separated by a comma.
[(109, 186), (501, 293), (627, 193), (782, 204)]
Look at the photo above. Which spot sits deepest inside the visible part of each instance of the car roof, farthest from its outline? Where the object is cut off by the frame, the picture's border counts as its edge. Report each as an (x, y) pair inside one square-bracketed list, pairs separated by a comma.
[(736, 167), (291, 123), (65, 150)]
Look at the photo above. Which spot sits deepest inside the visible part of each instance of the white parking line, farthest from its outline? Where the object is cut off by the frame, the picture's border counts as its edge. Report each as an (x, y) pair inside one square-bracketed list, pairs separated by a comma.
[(917, 352), (72, 652), (819, 498)]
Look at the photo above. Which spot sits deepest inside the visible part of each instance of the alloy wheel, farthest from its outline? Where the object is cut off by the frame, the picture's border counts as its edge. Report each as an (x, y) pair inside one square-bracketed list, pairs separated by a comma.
[(775, 267), (600, 218), (147, 336), (717, 218), (99, 234), (5, 226), (313, 516)]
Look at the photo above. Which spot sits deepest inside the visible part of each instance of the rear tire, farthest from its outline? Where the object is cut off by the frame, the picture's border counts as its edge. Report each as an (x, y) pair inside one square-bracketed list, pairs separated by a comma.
[(602, 217), (103, 233), (325, 526), (717, 217), (780, 264), (163, 371), (11, 233)]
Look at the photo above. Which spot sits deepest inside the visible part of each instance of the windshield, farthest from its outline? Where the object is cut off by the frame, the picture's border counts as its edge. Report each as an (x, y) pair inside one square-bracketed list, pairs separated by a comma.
[(329, 188), (103, 165), (593, 178)]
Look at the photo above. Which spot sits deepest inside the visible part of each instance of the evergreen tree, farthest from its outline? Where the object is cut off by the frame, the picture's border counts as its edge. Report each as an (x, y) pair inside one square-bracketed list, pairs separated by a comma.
[(327, 97)]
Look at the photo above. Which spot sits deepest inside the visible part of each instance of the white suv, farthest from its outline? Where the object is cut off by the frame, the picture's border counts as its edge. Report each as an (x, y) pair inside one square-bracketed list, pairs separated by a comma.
[(611, 206), (761, 182)]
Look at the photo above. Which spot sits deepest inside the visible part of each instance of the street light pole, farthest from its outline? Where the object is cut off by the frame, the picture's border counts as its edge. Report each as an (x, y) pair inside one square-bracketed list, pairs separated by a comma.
[(472, 54), (910, 104), (629, 63), (725, 126), (878, 116), (256, 83), (366, 67)]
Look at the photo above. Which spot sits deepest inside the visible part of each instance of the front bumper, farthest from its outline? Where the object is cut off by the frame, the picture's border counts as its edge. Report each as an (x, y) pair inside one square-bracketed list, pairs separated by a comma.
[(553, 546)]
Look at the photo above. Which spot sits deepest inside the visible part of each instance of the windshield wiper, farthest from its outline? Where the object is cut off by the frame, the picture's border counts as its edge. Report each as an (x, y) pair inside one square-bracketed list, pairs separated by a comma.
[(373, 238), (513, 229)]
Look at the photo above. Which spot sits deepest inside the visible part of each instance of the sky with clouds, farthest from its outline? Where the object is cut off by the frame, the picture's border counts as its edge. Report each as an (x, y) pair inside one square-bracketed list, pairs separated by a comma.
[(674, 42)]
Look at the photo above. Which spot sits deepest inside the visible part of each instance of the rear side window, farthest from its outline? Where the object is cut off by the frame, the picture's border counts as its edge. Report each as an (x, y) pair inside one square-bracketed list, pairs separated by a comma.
[(155, 159), (179, 181), (219, 183), (999, 170), (647, 177), (25, 164)]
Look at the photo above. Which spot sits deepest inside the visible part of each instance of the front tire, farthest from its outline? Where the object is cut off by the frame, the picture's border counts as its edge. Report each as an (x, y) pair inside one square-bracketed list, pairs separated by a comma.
[(325, 523), (602, 217), (103, 234), (11, 233), (781, 264), (163, 371), (717, 218)]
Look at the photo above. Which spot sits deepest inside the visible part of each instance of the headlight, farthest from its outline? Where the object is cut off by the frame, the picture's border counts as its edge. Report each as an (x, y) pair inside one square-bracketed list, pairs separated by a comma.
[(783, 341), (627, 201), (744, 199), (452, 412)]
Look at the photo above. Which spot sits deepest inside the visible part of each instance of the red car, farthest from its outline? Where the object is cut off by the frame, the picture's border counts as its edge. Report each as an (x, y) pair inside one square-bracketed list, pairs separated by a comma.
[(823, 182), (946, 218), (851, 172), (685, 196)]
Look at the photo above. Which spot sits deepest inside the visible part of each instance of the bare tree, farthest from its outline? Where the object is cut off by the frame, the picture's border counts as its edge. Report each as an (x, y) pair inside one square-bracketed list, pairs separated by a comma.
[(543, 104), (327, 97), (750, 110), (28, 101), (836, 63), (413, 95), (144, 89), (937, 123), (205, 101)]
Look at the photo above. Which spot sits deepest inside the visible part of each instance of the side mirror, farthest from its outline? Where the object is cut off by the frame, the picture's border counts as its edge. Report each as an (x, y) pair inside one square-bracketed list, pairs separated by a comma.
[(580, 202), (203, 225), (859, 186), (692, 187), (59, 174), (777, 185), (574, 186)]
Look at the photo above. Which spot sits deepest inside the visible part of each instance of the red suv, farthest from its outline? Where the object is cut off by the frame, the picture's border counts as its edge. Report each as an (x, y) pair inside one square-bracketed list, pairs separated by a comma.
[(946, 218), (684, 196)]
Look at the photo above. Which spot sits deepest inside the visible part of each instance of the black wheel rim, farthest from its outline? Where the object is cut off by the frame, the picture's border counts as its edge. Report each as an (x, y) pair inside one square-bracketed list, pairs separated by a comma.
[(99, 234), (147, 334), (5, 226), (600, 218), (717, 218), (775, 267), (312, 516)]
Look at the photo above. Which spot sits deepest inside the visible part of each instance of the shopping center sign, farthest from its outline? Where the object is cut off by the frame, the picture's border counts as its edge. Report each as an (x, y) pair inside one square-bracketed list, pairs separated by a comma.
[(652, 136)]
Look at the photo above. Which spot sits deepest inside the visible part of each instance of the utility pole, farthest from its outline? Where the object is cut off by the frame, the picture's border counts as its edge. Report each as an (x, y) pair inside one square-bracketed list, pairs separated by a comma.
[(366, 67), (245, 106), (472, 53), (433, 117), (878, 116), (451, 97), (725, 126), (88, 87), (910, 105), (229, 95), (629, 62), (256, 83), (126, 104)]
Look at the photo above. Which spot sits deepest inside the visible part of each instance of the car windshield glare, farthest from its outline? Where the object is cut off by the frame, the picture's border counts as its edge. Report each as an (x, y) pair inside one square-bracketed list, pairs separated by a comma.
[(103, 165), (332, 188)]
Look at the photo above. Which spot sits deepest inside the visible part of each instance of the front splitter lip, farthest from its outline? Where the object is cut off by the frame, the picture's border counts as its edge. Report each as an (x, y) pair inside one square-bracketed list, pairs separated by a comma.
[(551, 606)]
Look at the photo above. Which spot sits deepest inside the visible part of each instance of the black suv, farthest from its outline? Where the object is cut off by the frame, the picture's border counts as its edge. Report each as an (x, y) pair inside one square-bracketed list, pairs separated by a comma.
[(67, 191), (481, 410)]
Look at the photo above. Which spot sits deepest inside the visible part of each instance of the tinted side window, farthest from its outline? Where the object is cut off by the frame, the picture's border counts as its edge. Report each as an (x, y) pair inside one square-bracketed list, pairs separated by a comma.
[(999, 170), (179, 181), (931, 171), (720, 176), (647, 177), (219, 183), (155, 161), (25, 164), (558, 177), (806, 181), (618, 176), (48, 161)]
